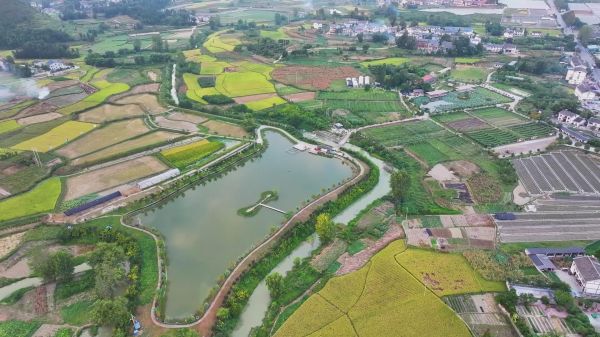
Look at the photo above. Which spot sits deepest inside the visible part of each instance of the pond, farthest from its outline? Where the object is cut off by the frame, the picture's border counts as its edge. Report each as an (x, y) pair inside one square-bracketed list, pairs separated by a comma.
[(203, 232)]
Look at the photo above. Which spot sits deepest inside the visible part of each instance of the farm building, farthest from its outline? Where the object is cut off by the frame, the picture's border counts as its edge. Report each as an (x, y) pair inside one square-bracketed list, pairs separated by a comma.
[(557, 252), (587, 272), (585, 92), (158, 179), (437, 93), (542, 262), (570, 117), (575, 135), (535, 292)]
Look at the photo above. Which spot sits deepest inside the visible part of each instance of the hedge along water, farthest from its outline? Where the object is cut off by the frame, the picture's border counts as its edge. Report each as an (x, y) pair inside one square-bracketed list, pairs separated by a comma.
[(203, 233)]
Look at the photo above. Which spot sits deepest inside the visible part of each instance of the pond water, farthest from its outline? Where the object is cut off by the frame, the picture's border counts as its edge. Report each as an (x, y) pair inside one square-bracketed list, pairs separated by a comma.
[(259, 301), (204, 235)]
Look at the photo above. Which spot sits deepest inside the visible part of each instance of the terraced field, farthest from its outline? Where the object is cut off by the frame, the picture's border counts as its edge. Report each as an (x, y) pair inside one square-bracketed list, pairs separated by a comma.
[(56, 137), (41, 198), (380, 299)]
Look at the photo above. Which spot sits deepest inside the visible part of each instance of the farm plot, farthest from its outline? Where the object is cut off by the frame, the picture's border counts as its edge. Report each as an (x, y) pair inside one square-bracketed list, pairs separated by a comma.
[(148, 102), (498, 117), (225, 129), (103, 137), (186, 117), (405, 133), (213, 68), (39, 118), (542, 324), (533, 130), (217, 43), (8, 125), (112, 176), (479, 97), (380, 299), (468, 124), (493, 137), (428, 153), (371, 95), (469, 74), (186, 155), (149, 140), (56, 137), (393, 61), (110, 112), (131, 77), (95, 98), (194, 91), (265, 103), (312, 78), (254, 67), (41, 198), (243, 84), (445, 274)]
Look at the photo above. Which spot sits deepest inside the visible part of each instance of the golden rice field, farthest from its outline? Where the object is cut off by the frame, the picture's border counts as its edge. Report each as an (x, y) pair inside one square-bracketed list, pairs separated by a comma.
[(64, 133), (41, 198), (381, 299), (445, 274), (216, 43), (9, 125), (265, 103), (185, 155)]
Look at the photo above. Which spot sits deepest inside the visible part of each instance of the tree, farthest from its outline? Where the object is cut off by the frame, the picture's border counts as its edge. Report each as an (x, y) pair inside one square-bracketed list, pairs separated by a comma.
[(400, 184), (360, 37), (585, 34), (109, 312), (223, 313), (137, 45), (107, 260), (365, 48), (563, 299), (509, 300), (325, 227), (58, 266), (527, 299), (157, 44), (274, 283)]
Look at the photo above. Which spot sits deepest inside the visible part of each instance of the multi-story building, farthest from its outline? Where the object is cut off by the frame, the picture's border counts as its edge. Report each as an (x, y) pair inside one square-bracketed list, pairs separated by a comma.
[(587, 273)]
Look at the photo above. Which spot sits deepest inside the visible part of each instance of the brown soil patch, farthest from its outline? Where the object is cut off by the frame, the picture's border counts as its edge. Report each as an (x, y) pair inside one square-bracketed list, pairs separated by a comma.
[(139, 89), (127, 146), (462, 168), (441, 232), (468, 124), (61, 84), (225, 129), (180, 116), (252, 98), (351, 263), (39, 118), (147, 101), (37, 109), (152, 76), (112, 176), (176, 125), (312, 78), (109, 112), (104, 137), (300, 97), (18, 270), (9, 243), (64, 100)]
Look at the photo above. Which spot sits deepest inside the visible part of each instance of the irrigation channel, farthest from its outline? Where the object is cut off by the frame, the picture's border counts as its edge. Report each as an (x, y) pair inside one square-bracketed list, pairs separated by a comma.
[(204, 235), (259, 301)]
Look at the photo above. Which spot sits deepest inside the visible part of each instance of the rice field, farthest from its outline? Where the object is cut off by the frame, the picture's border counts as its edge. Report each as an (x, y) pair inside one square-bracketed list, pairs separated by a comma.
[(394, 61), (186, 155), (9, 125), (213, 68), (103, 137), (265, 103), (380, 299), (95, 98), (148, 102), (194, 91), (244, 83), (56, 137), (278, 34), (445, 274), (216, 43), (42, 198)]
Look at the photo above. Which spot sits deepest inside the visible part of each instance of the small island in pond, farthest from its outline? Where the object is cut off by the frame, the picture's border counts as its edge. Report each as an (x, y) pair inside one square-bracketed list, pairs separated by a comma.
[(252, 210)]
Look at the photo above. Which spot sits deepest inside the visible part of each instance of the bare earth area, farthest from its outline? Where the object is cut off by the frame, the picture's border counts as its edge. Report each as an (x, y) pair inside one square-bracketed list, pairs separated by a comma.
[(109, 112), (180, 116), (462, 168), (39, 118), (252, 98), (176, 125), (225, 129), (9, 243), (354, 262), (440, 173), (312, 78), (300, 97), (147, 101), (112, 176), (139, 89), (535, 145)]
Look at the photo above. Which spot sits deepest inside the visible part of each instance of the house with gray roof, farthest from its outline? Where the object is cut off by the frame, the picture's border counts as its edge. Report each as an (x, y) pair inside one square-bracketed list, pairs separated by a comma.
[(587, 273)]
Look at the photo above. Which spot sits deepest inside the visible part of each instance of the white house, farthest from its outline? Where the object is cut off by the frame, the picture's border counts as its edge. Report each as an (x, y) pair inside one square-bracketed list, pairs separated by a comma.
[(585, 92), (587, 272), (567, 116), (510, 49), (57, 66), (576, 75), (594, 122)]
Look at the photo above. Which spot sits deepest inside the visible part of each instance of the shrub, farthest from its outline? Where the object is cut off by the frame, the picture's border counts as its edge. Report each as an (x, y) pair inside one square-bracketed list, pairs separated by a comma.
[(217, 99), (206, 81)]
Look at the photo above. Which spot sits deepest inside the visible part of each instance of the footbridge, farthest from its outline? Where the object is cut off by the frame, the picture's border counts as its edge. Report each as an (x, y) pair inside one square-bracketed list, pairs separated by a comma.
[(272, 208)]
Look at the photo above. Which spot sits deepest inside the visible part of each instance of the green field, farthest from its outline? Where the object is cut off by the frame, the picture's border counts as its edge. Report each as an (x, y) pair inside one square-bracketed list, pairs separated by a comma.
[(362, 95), (250, 15), (243, 84), (498, 117), (467, 60), (469, 75), (478, 97), (380, 299), (185, 155), (131, 77), (493, 137), (533, 130), (395, 61), (41, 198), (429, 153), (358, 106), (15, 328), (56, 137), (265, 103), (278, 34), (107, 90), (194, 91), (8, 126), (213, 68), (405, 133), (215, 43)]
